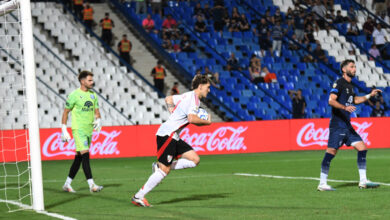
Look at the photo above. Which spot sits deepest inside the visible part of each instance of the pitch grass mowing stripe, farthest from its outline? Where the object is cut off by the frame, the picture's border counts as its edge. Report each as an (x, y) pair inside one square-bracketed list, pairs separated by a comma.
[(23, 206), (301, 178)]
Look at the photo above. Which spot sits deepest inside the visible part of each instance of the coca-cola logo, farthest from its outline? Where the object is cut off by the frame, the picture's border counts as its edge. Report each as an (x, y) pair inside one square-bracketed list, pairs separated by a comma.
[(224, 138), (309, 135), (103, 143)]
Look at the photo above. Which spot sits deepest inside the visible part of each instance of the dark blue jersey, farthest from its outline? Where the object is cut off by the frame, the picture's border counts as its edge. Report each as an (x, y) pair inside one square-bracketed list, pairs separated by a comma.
[(345, 96)]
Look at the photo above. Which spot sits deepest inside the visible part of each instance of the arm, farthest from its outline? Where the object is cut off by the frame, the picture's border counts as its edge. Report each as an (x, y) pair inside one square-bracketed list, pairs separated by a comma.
[(170, 104), (194, 119), (97, 113), (360, 99), (65, 137), (291, 94), (97, 125), (251, 72), (335, 104), (65, 116)]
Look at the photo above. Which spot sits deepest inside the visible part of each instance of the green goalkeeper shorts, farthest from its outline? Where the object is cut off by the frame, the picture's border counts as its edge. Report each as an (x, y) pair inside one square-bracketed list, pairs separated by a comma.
[(82, 139)]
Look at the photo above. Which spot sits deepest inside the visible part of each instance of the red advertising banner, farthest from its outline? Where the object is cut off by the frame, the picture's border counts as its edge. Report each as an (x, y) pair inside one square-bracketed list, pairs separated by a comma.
[(219, 138)]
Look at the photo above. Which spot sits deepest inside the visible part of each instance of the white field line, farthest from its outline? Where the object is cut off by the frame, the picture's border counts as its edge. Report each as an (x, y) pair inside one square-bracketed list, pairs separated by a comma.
[(132, 178), (23, 206), (301, 178)]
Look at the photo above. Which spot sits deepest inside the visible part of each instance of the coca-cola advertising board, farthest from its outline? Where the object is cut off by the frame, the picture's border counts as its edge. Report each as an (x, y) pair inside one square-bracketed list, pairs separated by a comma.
[(219, 138)]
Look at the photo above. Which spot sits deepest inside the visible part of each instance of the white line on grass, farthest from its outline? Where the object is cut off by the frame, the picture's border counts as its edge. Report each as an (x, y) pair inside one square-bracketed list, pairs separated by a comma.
[(137, 178), (301, 178), (23, 206)]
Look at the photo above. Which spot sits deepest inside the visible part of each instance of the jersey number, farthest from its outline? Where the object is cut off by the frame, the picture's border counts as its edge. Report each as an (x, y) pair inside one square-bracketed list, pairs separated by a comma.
[(350, 101)]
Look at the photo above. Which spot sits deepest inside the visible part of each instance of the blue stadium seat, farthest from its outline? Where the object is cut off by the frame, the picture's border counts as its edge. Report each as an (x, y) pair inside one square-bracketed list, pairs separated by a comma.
[(291, 73)]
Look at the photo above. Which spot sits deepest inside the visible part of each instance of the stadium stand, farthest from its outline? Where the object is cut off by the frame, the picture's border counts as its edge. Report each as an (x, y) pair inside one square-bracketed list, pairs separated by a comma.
[(338, 44), (63, 49), (127, 93), (213, 50), (238, 91), (55, 78)]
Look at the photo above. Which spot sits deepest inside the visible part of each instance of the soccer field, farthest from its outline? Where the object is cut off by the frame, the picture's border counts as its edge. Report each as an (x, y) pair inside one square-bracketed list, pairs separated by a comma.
[(213, 191)]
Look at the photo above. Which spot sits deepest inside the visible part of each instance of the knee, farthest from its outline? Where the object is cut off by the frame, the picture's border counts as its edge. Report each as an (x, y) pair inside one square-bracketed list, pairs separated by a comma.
[(360, 146), (196, 159), (83, 152), (332, 151), (165, 169)]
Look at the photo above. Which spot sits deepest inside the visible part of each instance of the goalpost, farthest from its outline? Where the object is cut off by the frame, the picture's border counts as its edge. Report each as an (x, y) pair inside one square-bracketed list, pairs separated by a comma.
[(20, 157)]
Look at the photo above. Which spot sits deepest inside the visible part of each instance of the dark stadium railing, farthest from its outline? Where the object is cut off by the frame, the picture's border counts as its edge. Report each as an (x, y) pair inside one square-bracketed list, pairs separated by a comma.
[(133, 20), (335, 73), (193, 34), (107, 47)]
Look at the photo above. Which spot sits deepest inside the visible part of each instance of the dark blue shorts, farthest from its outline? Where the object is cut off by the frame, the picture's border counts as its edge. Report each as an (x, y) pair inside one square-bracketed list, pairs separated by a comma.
[(340, 136)]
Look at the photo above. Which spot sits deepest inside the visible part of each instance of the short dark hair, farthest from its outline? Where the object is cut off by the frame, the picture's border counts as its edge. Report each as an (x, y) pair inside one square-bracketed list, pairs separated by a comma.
[(107, 14), (83, 74), (345, 63), (199, 79), (160, 62)]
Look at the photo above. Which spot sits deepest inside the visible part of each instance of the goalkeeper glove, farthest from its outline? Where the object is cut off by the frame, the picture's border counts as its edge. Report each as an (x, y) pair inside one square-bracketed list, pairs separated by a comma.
[(65, 137), (97, 125)]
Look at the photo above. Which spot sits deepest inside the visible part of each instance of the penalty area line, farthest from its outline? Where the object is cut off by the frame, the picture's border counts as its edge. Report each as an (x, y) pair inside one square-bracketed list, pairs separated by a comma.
[(301, 178), (24, 206)]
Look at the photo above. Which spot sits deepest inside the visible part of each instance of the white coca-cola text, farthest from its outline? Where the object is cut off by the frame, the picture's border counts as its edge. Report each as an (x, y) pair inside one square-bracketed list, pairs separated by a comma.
[(309, 135), (53, 146), (224, 138)]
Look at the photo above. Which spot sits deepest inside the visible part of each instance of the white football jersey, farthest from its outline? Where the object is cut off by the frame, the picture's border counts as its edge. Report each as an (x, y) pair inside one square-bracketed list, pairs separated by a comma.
[(185, 104)]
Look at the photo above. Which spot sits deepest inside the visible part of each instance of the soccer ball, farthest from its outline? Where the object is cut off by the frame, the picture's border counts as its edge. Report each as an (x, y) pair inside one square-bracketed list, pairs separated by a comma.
[(202, 114)]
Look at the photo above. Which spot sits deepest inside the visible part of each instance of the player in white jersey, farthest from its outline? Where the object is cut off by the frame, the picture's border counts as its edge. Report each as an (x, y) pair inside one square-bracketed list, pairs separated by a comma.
[(183, 109)]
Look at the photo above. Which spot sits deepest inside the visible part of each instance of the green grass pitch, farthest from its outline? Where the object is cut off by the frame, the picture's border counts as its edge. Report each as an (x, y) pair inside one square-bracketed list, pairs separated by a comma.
[(212, 191)]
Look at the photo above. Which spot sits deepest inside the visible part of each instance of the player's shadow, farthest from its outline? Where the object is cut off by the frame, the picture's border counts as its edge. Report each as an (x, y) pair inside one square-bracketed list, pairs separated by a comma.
[(105, 186), (344, 185), (70, 199), (196, 198)]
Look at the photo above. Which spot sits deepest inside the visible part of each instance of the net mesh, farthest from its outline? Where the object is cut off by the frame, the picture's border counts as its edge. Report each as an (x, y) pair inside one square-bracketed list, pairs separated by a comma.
[(15, 184)]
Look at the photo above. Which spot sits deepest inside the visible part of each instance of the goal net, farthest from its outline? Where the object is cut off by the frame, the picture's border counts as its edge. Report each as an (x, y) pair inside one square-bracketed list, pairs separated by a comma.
[(20, 165)]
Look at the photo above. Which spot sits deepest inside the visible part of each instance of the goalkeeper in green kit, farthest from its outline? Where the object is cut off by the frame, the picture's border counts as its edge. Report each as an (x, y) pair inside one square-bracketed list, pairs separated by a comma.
[(84, 106)]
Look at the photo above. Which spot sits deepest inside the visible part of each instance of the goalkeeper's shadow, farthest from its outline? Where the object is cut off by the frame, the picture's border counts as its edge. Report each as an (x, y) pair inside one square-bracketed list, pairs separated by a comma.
[(79, 195), (74, 196)]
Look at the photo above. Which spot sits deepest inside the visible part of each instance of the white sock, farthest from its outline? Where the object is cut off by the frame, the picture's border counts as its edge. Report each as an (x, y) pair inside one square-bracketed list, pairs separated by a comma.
[(323, 178), (152, 182), (362, 174), (182, 163), (90, 182), (68, 181)]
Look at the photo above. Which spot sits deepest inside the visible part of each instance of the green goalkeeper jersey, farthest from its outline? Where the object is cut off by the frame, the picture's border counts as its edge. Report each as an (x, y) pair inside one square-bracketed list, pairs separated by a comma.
[(83, 105)]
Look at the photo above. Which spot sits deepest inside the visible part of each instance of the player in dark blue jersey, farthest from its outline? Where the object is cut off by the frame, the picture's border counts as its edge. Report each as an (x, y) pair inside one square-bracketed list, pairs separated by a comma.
[(342, 99)]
